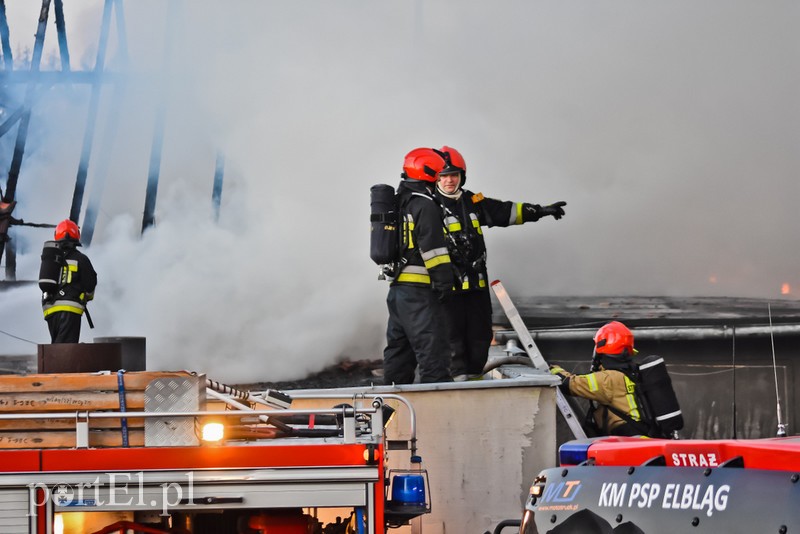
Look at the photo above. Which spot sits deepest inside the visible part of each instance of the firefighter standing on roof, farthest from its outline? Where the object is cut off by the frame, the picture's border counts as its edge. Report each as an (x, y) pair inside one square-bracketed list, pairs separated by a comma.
[(417, 332), (469, 310), (65, 297), (619, 411)]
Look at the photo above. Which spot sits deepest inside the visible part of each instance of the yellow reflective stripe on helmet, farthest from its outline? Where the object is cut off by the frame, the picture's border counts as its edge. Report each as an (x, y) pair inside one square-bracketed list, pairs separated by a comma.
[(592, 380), (633, 407)]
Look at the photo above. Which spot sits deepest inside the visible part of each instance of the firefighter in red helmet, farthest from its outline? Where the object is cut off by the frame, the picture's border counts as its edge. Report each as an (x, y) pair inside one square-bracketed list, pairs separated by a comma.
[(619, 410), (67, 279), (416, 334), (469, 309)]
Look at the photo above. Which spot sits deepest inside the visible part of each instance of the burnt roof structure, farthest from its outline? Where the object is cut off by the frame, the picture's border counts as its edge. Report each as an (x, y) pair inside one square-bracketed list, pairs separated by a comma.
[(576, 312), (16, 115)]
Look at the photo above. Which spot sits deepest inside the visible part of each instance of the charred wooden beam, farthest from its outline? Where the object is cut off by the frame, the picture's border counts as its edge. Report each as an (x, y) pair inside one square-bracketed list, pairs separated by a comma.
[(8, 59), (22, 132), (216, 194), (110, 131), (61, 30), (91, 117), (149, 216)]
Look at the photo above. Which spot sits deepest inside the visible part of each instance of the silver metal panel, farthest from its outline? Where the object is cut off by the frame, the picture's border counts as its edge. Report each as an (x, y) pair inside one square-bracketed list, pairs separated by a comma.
[(14, 511), (174, 394), (370, 509), (168, 497), (283, 475)]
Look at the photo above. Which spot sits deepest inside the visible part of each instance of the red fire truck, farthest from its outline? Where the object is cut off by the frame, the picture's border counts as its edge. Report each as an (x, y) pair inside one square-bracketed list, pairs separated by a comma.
[(639, 485), (278, 470)]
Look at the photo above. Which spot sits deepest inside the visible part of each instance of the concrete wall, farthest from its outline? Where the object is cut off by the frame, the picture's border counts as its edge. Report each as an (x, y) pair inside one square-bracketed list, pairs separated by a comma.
[(481, 442)]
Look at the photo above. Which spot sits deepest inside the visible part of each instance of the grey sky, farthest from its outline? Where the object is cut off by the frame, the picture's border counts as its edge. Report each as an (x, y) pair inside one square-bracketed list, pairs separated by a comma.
[(670, 128)]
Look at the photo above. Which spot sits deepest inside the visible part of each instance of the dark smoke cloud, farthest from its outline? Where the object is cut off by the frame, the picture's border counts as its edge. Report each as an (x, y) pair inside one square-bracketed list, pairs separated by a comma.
[(670, 128)]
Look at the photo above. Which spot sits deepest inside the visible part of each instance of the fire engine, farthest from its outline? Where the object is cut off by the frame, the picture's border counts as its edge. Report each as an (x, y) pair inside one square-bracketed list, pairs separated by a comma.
[(636, 485), (178, 453)]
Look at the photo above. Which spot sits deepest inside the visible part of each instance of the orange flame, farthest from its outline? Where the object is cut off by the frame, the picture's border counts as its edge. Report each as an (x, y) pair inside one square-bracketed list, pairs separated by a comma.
[(712, 279), (786, 289)]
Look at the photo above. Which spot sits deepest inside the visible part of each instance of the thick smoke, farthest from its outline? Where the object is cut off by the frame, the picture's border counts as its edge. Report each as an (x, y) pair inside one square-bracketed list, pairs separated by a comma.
[(668, 127)]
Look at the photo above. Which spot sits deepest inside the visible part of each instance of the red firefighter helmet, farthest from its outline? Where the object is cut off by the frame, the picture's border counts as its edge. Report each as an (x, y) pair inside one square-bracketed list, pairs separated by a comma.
[(423, 164), (67, 228), (614, 338), (455, 162)]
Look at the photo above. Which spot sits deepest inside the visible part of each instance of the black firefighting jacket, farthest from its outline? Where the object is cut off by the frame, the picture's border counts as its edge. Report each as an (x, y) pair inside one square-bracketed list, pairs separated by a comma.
[(464, 218), (425, 259), (76, 284)]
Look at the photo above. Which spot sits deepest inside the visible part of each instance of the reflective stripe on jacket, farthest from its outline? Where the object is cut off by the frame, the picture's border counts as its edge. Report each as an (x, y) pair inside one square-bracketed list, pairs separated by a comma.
[(608, 388), (464, 218), (63, 306), (77, 282), (425, 255)]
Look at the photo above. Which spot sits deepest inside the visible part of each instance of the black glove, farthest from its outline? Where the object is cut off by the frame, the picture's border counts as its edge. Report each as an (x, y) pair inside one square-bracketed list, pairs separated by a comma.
[(441, 295), (556, 210), (531, 212), (534, 212)]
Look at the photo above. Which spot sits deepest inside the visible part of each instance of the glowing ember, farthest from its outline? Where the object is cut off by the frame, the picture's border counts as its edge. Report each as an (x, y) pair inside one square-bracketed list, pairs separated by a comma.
[(712, 279), (786, 289)]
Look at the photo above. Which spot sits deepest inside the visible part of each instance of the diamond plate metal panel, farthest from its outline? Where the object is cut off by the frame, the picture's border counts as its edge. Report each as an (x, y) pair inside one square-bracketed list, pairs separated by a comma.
[(173, 394)]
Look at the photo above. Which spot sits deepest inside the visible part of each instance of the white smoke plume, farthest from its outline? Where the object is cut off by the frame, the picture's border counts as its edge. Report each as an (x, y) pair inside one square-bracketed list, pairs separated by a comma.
[(669, 128)]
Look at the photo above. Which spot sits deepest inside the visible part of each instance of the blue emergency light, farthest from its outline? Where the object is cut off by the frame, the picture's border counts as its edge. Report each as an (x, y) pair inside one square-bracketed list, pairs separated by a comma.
[(409, 494), (408, 490), (574, 452)]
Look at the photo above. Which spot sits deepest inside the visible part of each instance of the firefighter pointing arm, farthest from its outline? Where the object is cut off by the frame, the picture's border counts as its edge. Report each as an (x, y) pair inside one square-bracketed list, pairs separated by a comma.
[(469, 309)]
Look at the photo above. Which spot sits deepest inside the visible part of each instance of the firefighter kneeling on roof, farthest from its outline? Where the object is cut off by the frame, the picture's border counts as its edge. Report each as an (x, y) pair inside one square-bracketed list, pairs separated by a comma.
[(632, 398)]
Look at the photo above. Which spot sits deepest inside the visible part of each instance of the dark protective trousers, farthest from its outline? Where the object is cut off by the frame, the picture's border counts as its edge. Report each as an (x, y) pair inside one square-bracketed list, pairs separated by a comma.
[(65, 327), (416, 335), (469, 322)]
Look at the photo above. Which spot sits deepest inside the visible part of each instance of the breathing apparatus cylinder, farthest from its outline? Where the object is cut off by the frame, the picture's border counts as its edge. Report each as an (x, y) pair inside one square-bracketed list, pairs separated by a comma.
[(384, 241), (657, 387), (50, 268)]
